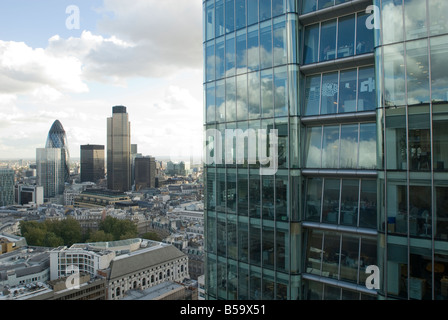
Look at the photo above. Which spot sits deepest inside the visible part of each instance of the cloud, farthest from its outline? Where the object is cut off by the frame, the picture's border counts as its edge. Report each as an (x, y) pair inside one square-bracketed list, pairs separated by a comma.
[(167, 27), (151, 50), (24, 69)]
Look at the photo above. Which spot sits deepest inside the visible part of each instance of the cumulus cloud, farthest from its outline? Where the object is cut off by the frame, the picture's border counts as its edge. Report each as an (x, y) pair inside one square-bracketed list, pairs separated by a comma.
[(24, 69), (136, 42)]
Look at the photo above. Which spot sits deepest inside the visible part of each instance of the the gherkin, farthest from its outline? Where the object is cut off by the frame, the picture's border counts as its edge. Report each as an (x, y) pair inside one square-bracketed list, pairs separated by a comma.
[(58, 139)]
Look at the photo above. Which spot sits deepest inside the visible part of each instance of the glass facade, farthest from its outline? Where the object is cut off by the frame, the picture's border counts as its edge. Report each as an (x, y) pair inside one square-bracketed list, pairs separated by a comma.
[(57, 138), (92, 163), (359, 116), (50, 171), (413, 95), (6, 187), (119, 150)]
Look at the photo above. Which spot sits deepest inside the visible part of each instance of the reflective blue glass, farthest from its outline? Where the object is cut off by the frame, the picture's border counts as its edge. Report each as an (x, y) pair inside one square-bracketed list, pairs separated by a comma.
[(329, 93), (309, 6), (346, 36), (311, 46), (240, 7), (280, 42), (328, 41), (265, 9), (312, 95), (366, 89), (230, 54), (266, 45), (281, 91), (253, 50), (230, 15), (219, 18), (347, 91), (210, 61), (267, 96), (252, 12), (241, 51), (439, 69), (417, 72), (364, 36), (220, 60)]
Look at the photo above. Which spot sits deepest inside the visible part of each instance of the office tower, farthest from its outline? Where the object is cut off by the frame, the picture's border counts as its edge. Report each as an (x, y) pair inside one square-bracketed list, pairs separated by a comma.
[(145, 173), (119, 150), (51, 171), (358, 92), (92, 163), (134, 154), (412, 76), (57, 138), (6, 187)]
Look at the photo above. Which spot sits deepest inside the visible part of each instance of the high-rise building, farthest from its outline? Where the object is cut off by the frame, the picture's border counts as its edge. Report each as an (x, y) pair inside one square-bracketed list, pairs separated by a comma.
[(145, 172), (6, 187), (119, 150), (325, 127), (57, 138), (412, 77), (51, 171), (92, 163)]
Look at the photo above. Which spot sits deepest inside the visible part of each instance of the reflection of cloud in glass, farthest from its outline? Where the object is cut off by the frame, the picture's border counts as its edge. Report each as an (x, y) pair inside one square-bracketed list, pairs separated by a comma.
[(392, 19), (415, 19), (348, 158), (367, 154)]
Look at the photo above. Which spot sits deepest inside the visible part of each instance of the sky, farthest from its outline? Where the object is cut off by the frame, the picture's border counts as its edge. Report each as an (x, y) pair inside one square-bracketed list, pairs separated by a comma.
[(73, 61)]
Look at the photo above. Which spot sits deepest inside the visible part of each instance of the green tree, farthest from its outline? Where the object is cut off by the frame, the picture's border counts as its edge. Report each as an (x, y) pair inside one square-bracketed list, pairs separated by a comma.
[(35, 236), (151, 236), (70, 231), (100, 236), (52, 240), (119, 229)]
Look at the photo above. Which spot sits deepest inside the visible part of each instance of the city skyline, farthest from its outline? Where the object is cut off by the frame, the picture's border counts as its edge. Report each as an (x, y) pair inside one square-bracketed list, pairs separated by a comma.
[(53, 69)]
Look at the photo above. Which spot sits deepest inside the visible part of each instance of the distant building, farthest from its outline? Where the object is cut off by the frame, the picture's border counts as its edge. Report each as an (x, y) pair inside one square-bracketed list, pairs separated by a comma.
[(29, 194), (119, 150), (164, 291), (145, 171), (127, 264), (58, 139), (96, 198), (6, 187), (14, 272), (86, 288), (50, 171), (92, 163)]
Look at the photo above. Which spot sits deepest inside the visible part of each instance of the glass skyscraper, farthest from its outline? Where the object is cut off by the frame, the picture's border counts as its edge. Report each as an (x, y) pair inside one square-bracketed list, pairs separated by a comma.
[(57, 138), (53, 169), (354, 93), (92, 163), (119, 150), (6, 187), (50, 171)]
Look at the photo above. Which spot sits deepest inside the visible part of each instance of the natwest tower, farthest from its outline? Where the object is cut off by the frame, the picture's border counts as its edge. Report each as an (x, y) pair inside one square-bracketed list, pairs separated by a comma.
[(119, 150)]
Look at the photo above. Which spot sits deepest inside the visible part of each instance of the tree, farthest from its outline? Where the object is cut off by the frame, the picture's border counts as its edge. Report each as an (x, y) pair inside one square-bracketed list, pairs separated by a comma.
[(151, 236), (52, 240), (100, 236), (119, 229)]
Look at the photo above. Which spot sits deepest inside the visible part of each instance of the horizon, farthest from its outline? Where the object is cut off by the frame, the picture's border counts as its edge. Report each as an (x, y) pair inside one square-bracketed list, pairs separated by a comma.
[(73, 63)]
